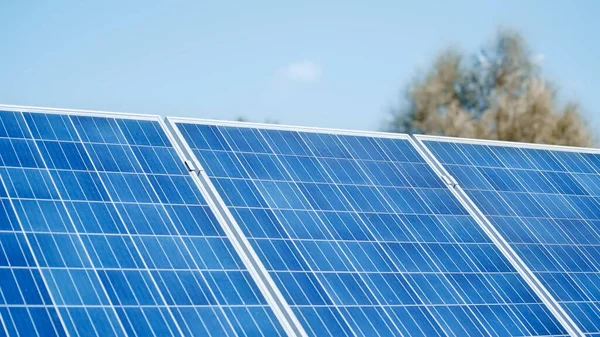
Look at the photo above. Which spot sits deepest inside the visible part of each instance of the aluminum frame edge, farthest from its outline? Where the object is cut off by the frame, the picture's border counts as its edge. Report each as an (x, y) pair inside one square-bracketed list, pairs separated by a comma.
[(77, 112), (283, 127), (521, 145)]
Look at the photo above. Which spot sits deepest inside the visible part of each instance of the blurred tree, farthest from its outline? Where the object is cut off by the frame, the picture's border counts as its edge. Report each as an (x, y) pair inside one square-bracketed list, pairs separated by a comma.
[(496, 94)]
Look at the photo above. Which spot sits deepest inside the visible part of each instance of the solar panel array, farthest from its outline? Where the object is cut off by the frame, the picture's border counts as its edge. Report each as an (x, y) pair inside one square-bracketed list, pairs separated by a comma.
[(362, 237), (545, 203), (116, 225), (105, 233)]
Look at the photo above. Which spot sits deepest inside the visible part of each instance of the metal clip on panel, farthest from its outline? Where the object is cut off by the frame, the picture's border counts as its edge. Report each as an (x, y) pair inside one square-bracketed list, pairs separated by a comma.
[(189, 165)]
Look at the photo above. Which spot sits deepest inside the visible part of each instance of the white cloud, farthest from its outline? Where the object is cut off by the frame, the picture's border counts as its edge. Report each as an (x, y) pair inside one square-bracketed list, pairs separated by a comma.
[(303, 71), (538, 59)]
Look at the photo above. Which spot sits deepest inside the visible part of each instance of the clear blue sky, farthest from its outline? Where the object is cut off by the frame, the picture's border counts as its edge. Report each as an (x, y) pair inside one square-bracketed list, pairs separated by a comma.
[(318, 63)]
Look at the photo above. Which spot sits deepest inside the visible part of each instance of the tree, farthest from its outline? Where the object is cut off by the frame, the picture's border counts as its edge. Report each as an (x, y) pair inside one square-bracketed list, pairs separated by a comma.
[(499, 94)]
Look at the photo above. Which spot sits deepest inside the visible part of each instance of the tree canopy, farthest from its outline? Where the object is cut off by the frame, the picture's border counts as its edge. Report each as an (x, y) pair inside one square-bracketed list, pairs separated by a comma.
[(498, 93)]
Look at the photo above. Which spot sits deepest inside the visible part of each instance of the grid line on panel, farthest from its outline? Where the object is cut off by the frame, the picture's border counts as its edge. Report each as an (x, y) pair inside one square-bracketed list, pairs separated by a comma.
[(126, 306), (504, 247), (4, 328), (82, 245), (299, 305), (229, 224), (35, 259), (115, 234), (300, 239), (522, 169), (402, 161), (296, 271), (247, 207), (258, 192), (91, 171)]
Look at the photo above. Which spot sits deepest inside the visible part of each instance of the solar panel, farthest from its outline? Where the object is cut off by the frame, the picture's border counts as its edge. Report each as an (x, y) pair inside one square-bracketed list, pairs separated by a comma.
[(360, 235), (104, 232), (543, 200)]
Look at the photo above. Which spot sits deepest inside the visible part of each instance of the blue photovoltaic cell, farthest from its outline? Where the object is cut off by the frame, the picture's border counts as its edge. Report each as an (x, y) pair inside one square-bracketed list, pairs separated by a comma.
[(545, 204), (362, 238), (104, 233)]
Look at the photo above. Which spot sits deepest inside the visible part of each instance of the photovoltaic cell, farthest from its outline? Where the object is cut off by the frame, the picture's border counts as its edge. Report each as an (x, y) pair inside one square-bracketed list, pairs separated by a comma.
[(105, 233), (361, 236), (545, 204)]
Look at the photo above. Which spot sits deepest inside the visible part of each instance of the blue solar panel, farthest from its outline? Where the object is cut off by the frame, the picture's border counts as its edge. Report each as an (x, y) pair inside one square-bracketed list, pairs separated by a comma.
[(545, 203), (361, 236), (105, 233)]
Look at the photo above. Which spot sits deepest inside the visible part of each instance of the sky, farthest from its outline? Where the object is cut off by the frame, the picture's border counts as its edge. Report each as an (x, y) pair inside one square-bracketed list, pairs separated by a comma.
[(336, 64)]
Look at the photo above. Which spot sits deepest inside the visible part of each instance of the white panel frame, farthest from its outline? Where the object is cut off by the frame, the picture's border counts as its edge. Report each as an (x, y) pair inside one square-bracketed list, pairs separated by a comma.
[(534, 146), (284, 127), (490, 229), (75, 112)]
